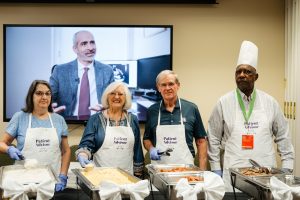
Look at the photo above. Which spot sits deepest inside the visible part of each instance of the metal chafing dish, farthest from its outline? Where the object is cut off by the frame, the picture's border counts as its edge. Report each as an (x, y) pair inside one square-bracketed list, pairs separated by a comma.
[(165, 180), (10, 168), (258, 186), (93, 190)]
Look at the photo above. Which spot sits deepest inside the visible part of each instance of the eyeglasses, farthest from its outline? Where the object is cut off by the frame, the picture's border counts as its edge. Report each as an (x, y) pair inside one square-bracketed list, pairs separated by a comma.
[(116, 93), (40, 93)]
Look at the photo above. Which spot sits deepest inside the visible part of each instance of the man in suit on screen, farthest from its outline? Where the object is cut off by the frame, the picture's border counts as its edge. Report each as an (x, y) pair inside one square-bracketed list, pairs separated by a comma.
[(78, 85)]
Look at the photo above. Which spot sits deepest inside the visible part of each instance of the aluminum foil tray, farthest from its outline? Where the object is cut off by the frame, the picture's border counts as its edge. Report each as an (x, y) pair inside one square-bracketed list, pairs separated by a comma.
[(173, 178), (93, 190)]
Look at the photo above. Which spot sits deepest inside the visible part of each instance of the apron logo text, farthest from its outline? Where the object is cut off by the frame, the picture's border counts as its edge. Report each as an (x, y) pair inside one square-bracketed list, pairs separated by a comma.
[(42, 143), (251, 125), (120, 140), (170, 140)]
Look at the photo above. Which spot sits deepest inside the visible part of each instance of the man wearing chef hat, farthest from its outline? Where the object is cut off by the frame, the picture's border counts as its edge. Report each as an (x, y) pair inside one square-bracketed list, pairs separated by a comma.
[(244, 122)]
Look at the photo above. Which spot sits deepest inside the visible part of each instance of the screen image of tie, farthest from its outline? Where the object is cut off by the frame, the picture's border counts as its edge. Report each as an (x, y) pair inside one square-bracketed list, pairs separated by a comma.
[(84, 96)]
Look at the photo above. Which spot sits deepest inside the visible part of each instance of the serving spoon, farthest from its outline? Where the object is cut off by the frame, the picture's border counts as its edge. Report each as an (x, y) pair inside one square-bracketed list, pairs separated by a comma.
[(263, 169)]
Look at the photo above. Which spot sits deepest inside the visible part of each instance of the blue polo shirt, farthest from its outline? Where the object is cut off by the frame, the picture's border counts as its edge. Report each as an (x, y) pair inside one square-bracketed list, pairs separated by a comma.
[(191, 119)]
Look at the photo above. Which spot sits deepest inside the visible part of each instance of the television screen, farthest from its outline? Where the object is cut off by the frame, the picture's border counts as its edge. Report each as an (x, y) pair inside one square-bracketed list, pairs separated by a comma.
[(136, 54)]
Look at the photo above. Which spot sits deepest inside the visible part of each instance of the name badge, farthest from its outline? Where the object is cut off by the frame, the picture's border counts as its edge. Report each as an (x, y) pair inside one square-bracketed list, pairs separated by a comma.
[(247, 141)]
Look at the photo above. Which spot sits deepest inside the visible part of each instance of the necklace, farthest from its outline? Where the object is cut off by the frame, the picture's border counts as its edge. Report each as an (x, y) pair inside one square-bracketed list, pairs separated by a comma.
[(116, 121)]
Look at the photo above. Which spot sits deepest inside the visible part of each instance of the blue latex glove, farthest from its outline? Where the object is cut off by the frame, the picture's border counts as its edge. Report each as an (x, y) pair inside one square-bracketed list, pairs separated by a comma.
[(154, 154), (61, 185), (14, 153), (286, 170), (83, 160), (219, 172)]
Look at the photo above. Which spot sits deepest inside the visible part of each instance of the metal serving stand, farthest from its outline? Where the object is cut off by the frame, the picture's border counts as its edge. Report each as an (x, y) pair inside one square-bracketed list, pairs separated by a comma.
[(165, 182), (258, 186), (93, 190)]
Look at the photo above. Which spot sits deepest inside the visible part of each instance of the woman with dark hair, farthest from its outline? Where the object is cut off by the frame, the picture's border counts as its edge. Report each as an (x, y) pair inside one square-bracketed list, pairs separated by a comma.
[(40, 134)]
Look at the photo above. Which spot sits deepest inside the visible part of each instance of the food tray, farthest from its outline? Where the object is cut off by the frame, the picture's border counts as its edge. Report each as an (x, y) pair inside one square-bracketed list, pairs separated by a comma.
[(273, 171), (91, 189), (18, 172), (173, 178), (163, 168), (288, 179), (165, 182), (257, 186)]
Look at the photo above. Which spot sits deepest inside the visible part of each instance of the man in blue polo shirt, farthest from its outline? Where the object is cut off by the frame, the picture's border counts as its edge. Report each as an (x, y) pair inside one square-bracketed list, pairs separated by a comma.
[(172, 124)]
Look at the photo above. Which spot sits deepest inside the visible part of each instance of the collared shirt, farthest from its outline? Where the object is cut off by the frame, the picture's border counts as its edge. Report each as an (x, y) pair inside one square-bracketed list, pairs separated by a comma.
[(92, 83), (191, 119), (246, 99), (222, 120)]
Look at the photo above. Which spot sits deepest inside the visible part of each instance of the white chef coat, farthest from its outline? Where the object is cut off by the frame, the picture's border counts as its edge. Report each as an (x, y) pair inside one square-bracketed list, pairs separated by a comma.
[(223, 119)]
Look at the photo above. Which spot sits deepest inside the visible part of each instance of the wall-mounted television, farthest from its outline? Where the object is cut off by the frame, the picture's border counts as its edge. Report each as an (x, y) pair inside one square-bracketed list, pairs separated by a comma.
[(136, 53)]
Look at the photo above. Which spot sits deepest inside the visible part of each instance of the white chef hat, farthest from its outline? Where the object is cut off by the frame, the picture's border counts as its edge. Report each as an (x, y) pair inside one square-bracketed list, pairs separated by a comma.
[(248, 54)]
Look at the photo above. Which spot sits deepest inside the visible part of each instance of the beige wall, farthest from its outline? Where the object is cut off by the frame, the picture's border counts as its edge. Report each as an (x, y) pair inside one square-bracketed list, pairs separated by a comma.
[(206, 41)]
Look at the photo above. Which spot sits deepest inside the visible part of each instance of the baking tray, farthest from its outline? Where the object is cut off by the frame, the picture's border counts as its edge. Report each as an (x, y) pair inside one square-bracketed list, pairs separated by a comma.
[(8, 168), (166, 182), (93, 190), (257, 186)]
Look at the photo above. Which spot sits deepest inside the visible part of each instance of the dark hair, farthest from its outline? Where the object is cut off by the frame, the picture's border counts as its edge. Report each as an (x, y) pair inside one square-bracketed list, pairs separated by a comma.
[(29, 98)]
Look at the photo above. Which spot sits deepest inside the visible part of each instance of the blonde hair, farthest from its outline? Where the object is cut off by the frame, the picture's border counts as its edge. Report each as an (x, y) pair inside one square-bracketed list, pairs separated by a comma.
[(110, 88)]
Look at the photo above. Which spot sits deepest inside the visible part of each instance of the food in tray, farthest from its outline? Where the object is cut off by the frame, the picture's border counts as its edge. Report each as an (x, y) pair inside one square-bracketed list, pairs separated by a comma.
[(255, 171), (97, 175), (89, 167), (175, 169), (194, 178)]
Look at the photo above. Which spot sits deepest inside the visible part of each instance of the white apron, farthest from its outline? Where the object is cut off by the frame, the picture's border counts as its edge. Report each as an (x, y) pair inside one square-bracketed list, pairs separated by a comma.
[(263, 149), (42, 144), (173, 136), (117, 148)]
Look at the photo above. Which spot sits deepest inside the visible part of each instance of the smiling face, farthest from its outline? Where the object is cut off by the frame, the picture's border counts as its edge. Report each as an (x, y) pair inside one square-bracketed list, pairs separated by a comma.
[(117, 98), (85, 47), (41, 97), (245, 77), (168, 87)]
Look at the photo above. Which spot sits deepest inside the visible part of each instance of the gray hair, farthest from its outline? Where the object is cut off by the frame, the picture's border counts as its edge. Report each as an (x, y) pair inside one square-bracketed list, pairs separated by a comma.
[(76, 34), (110, 88), (165, 73)]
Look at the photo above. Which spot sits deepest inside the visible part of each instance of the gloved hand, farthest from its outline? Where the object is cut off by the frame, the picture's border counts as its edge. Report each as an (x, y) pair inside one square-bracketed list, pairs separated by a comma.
[(14, 153), (83, 160), (219, 172), (286, 170), (154, 154), (61, 185)]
